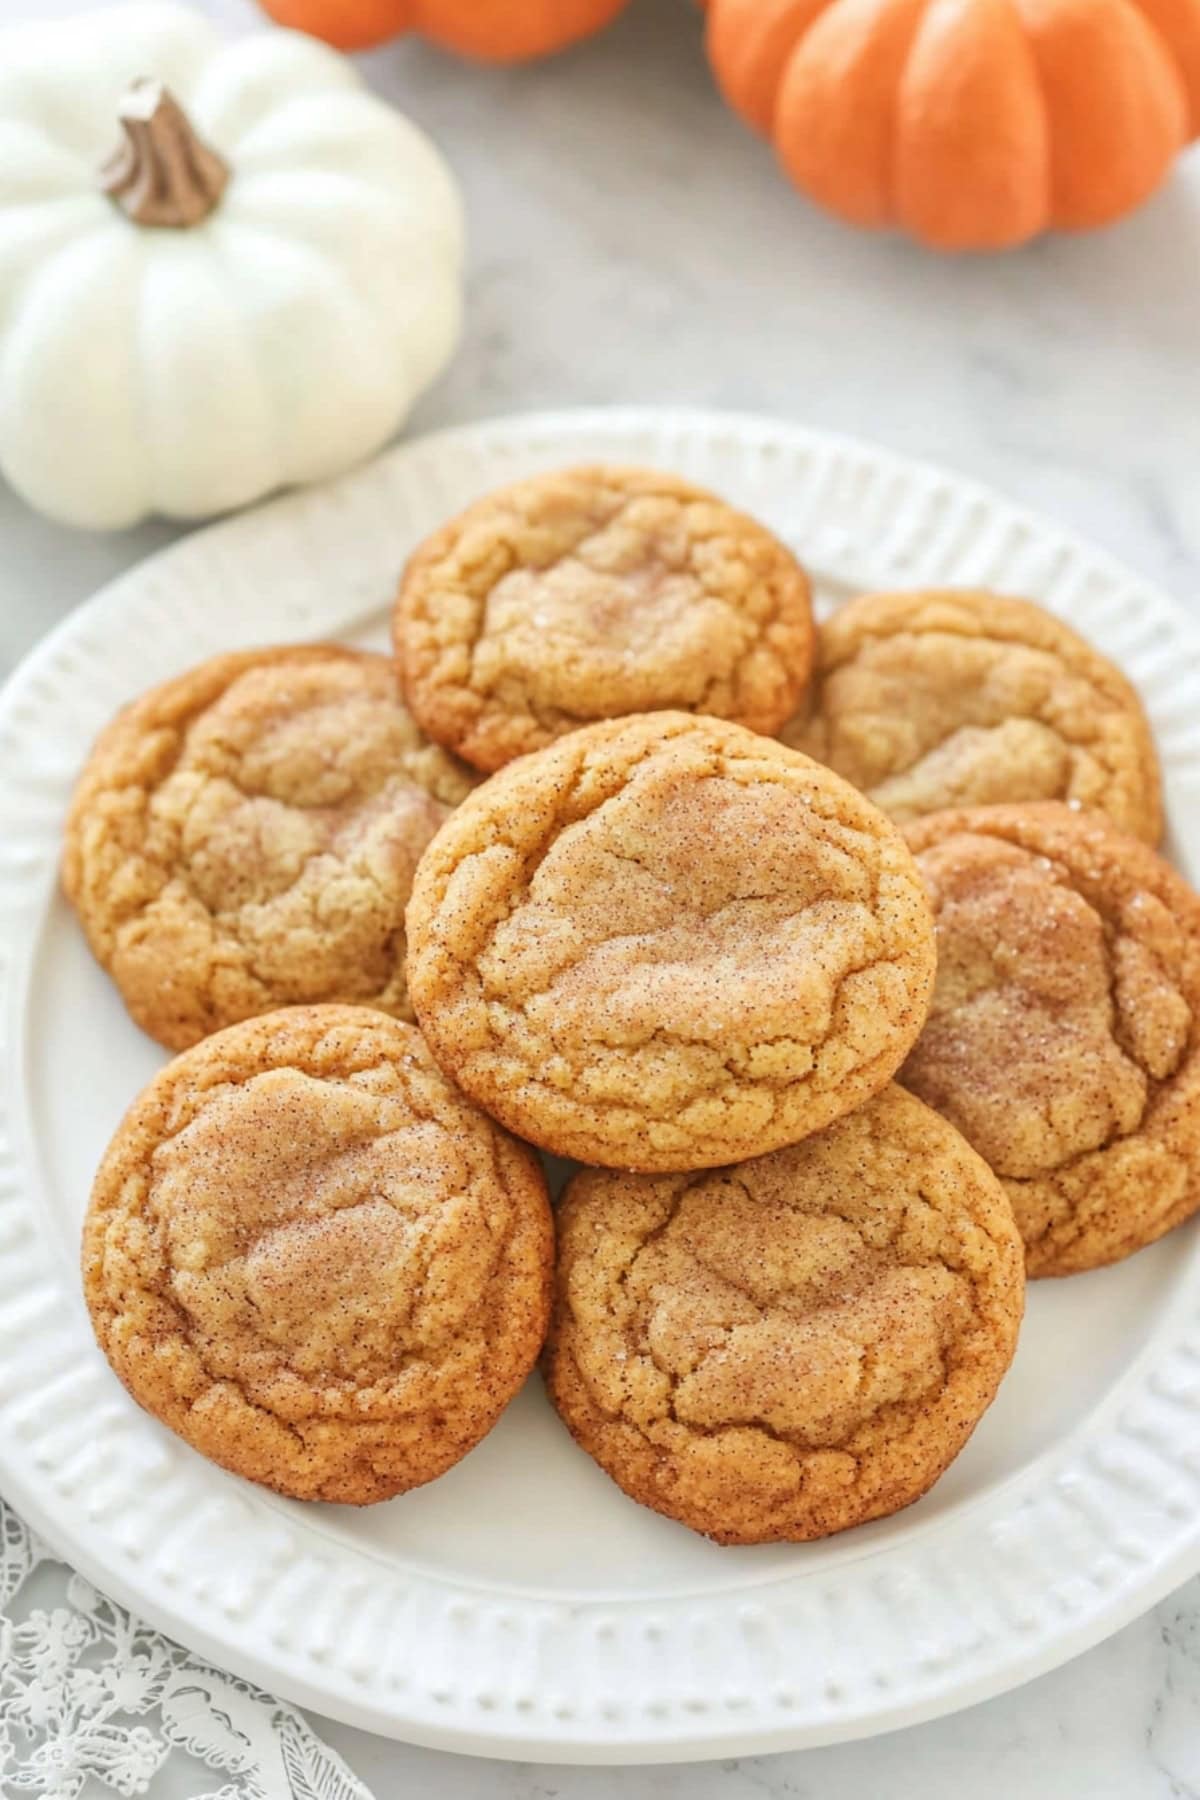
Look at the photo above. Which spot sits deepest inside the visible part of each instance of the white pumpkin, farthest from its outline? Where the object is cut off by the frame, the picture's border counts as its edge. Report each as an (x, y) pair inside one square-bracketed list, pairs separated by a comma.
[(191, 317)]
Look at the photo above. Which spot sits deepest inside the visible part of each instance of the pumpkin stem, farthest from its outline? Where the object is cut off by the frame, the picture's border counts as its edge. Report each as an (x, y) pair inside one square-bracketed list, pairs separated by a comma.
[(162, 172)]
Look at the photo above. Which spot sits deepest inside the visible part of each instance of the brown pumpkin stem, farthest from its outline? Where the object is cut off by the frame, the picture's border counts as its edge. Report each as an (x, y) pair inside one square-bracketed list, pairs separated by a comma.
[(162, 172)]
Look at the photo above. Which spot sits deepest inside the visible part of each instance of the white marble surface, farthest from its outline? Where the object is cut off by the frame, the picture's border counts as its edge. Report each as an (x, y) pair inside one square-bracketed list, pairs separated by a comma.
[(631, 243)]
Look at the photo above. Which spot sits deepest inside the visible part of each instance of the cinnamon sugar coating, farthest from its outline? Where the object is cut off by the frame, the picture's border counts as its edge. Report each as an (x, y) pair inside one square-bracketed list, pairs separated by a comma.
[(593, 593), (666, 943), (794, 1345), (1064, 1037), (244, 837), (930, 699), (308, 1255)]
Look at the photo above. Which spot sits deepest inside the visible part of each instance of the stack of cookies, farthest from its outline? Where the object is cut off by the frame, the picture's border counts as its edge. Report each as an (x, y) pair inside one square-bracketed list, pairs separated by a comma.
[(847, 970)]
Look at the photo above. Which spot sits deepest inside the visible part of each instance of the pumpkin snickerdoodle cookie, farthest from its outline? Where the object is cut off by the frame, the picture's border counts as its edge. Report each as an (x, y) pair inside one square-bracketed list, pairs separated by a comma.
[(1064, 1038), (244, 837), (666, 943), (308, 1255), (794, 1345), (929, 700), (593, 593)]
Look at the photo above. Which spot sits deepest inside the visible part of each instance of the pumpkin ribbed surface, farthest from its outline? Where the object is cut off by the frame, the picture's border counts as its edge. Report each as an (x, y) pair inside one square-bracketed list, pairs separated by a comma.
[(971, 124), (491, 30)]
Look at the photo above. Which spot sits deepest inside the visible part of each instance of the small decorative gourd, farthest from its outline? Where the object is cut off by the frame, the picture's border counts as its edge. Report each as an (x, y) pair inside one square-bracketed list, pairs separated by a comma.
[(501, 31), (224, 267), (971, 124)]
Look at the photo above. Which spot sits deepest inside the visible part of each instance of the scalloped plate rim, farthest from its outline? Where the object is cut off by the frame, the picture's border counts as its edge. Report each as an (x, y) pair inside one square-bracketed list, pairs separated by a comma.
[(286, 1673)]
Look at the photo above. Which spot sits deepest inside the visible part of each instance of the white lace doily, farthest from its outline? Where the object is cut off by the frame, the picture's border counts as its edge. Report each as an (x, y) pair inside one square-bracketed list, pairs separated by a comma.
[(92, 1702)]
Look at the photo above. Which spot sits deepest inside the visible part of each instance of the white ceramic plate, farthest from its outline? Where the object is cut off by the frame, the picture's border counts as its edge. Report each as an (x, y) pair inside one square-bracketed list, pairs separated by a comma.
[(522, 1606)]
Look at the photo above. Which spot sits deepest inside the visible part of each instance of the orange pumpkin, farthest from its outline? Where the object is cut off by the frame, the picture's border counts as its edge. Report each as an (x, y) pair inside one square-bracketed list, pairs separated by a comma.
[(972, 124), (491, 30)]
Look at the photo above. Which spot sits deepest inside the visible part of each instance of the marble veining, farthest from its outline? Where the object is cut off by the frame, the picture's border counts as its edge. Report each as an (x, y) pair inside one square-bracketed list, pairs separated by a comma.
[(632, 243)]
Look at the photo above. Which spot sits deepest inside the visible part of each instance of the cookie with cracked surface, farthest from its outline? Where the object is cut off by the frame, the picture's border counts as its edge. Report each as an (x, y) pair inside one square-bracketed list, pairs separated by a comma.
[(591, 594), (244, 837), (308, 1255), (797, 1344), (667, 943), (930, 700), (1064, 1038)]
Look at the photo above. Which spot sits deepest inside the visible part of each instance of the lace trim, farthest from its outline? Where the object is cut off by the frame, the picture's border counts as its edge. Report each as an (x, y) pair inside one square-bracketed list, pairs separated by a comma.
[(90, 1695)]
